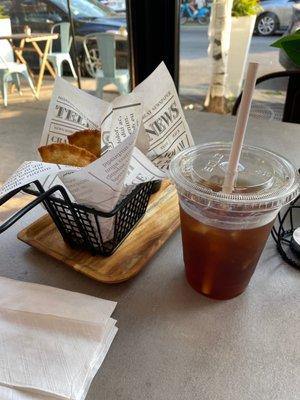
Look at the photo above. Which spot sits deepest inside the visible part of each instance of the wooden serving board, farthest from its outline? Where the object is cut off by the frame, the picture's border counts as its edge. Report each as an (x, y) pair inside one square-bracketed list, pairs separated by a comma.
[(157, 225)]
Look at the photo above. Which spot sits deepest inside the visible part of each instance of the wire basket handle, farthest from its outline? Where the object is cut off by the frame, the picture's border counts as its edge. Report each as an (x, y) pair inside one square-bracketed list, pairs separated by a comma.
[(40, 199)]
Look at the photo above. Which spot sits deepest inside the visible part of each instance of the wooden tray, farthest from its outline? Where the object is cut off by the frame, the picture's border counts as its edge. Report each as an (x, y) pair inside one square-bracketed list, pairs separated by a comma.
[(157, 225)]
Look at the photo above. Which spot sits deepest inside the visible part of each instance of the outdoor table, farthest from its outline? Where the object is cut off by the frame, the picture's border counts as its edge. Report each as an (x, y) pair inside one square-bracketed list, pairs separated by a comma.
[(173, 343), (34, 38)]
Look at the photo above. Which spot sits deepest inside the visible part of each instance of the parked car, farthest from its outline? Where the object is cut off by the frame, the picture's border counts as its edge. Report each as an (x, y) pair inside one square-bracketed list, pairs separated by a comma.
[(116, 5), (89, 17), (284, 60), (275, 17)]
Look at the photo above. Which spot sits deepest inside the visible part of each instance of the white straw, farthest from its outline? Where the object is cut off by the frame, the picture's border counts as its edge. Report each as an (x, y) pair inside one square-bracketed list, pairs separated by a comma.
[(240, 128)]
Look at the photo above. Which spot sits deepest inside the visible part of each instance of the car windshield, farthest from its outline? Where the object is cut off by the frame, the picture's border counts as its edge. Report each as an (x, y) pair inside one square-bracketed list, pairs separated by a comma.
[(86, 9)]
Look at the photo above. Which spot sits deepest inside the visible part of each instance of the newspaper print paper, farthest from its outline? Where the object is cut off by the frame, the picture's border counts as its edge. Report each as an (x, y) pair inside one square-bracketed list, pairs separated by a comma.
[(141, 132), (163, 119)]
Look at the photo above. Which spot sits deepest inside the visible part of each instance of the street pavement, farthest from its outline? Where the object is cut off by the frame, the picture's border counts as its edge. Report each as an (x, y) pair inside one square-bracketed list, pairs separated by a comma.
[(194, 62)]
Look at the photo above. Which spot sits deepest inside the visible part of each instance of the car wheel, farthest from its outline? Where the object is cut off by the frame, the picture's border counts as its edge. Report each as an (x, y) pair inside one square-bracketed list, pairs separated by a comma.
[(266, 24), (93, 62)]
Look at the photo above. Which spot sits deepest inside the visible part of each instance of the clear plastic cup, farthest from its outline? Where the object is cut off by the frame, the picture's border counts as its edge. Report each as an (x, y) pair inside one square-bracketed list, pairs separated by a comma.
[(223, 235)]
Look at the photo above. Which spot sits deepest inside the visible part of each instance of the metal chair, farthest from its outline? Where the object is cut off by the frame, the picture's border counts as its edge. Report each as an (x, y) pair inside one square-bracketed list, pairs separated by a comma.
[(57, 59), (281, 107), (10, 71), (106, 43)]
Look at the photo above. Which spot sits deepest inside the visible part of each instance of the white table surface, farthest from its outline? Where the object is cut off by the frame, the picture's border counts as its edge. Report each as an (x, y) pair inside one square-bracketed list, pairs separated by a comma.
[(173, 343)]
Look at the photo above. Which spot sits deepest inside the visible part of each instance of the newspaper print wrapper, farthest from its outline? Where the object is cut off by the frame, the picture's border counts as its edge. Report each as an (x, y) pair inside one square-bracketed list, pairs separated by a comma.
[(163, 120), (140, 133)]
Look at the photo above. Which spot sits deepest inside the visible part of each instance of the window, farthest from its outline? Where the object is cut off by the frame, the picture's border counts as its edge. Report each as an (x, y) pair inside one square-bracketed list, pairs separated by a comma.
[(85, 9), (39, 12)]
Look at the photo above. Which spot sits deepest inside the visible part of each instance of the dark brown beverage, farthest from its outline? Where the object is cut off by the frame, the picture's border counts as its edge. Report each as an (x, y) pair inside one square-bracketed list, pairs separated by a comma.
[(219, 262), (223, 234)]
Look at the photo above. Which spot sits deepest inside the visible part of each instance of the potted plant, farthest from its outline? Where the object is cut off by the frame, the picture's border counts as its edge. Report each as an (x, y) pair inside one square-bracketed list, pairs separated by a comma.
[(243, 20), (4, 21), (290, 44), (5, 29)]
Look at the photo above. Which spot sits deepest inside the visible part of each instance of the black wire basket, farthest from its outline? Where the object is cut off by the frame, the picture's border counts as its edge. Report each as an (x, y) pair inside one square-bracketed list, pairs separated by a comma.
[(282, 233), (80, 226)]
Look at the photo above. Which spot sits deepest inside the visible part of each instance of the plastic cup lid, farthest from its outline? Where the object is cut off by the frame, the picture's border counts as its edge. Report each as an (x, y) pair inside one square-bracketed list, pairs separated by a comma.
[(265, 179)]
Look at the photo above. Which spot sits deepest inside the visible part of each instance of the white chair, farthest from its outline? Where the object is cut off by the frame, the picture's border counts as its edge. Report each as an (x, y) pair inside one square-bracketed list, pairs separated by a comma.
[(57, 59), (9, 71), (106, 43)]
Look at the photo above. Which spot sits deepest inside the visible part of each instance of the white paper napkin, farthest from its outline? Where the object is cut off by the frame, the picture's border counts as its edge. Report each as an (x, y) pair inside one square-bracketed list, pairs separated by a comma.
[(52, 342)]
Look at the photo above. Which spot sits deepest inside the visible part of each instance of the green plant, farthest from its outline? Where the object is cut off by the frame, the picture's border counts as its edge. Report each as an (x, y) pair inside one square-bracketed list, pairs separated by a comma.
[(2, 13), (243, 8), (291, 45)]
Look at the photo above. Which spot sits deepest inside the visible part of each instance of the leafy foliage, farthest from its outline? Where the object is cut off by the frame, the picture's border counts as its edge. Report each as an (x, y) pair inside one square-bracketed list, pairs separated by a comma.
[(291, 45), (2, 13), (243, 8)]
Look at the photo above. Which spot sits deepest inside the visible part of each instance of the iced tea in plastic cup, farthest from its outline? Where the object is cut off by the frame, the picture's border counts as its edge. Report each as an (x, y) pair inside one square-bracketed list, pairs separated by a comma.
[(223, 235)]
